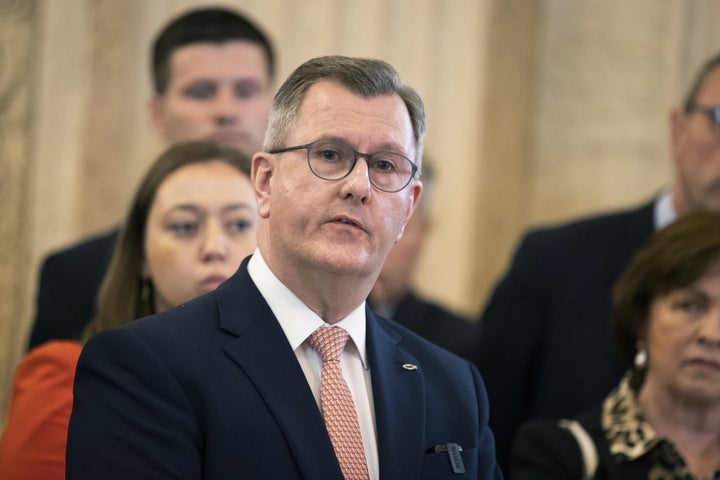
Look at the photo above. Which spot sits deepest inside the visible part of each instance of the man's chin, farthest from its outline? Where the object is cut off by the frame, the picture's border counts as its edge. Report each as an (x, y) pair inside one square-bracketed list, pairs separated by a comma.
[(239, 141), (710, 204), (344, 261)]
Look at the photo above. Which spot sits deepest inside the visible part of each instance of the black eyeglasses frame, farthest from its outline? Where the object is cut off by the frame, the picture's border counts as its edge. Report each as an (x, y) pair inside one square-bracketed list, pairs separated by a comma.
[(356, 155)]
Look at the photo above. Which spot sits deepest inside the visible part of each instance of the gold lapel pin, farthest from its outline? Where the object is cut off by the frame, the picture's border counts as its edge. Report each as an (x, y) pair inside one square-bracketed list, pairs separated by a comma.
[(409, 366)]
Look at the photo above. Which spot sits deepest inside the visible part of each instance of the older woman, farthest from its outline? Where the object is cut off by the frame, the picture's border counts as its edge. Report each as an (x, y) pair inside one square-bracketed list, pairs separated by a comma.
[(663, 419), (191, 222)]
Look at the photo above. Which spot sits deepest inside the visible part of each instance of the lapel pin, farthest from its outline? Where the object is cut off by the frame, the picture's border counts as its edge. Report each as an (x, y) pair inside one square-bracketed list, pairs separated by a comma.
[(409, 366)]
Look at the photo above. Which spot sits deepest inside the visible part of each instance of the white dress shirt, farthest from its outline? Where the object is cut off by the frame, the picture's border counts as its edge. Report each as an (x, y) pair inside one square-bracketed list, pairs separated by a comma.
[(299, 322), (664, 211)]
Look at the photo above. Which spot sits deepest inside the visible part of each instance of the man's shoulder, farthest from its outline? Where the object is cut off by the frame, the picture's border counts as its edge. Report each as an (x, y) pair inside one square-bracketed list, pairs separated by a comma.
[(101, 244), (168, 336), (224, 312), (417, 345), (425, 309), (634, 221), (178, 320)]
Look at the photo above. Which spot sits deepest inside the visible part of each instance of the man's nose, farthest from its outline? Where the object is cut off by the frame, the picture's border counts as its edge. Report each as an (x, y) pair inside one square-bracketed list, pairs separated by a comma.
[(357, 183), (225, 106)]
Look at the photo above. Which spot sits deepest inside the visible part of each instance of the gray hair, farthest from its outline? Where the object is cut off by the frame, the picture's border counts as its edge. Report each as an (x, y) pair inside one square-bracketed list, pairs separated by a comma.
[(363, 76)]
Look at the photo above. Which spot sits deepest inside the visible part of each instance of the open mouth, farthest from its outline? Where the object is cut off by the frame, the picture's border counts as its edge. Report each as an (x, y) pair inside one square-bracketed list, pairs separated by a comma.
[(347, 221), (228, 137)]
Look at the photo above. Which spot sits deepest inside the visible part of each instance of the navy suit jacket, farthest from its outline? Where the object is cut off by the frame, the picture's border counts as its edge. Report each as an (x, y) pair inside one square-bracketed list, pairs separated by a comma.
[(436, 323), (212, 389), (545, 345), (68, 287)]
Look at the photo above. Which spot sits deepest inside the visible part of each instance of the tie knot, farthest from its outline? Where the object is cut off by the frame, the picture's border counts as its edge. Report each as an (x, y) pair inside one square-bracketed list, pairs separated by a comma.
[(329, 342)]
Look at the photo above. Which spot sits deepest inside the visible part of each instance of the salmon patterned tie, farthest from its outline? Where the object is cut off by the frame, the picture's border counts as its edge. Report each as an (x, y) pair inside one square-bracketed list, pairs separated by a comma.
[(338, 408)]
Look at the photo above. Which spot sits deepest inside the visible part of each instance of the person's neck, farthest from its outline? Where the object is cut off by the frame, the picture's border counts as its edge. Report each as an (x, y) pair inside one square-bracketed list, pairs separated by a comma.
[(332, 296), (692, 426), (385, 295), (679, 201)]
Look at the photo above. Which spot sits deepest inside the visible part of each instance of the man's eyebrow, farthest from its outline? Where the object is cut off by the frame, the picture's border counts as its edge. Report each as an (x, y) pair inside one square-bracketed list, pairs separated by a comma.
[(383, 147)]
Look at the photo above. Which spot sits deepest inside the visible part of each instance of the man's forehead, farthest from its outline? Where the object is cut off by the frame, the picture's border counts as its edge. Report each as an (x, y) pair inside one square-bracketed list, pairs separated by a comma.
[(234, 53), (329, 103), (218, 45)]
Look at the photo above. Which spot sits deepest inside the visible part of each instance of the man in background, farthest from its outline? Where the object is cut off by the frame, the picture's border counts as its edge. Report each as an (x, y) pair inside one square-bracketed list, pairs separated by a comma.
[(393, 295), (545, 347), (212, 74)]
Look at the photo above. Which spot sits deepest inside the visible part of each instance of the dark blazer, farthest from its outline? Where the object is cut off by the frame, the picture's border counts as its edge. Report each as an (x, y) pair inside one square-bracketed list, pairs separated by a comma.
[(213, 390), (68, 287), (545, 451), (437, 324), (545, 345)]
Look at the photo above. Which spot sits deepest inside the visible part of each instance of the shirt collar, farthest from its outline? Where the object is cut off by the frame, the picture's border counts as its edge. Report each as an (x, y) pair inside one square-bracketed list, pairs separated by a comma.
[(664, 212), (630, 436), (627, 432), (295, 318)]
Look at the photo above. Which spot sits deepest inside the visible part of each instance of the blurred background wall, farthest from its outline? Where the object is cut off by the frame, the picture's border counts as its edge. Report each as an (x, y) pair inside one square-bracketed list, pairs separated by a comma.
[(538, 111)]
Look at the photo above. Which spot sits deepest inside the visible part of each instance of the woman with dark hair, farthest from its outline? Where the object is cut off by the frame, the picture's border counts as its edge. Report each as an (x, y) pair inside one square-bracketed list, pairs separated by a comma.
[(663, 420), (191, 222)]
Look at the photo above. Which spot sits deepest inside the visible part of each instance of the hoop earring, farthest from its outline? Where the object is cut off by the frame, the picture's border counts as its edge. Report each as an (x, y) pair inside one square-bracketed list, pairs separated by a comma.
[(641, 356)]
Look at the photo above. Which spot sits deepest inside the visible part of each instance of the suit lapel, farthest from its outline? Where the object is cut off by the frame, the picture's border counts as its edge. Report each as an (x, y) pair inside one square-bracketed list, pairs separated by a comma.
[(399, 399), (262, 351)]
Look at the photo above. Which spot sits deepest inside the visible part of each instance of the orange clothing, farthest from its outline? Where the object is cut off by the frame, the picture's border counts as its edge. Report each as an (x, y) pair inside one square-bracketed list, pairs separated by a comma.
[(35, 436)]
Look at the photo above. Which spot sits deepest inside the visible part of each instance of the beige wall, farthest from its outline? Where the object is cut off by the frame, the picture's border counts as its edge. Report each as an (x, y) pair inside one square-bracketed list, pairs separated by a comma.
[(538, 110), (576, 118), (18, 95)]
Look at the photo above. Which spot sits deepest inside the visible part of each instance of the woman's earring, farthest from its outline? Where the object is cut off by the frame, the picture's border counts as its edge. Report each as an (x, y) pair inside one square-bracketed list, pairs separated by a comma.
[(145, 291), (641, 356)]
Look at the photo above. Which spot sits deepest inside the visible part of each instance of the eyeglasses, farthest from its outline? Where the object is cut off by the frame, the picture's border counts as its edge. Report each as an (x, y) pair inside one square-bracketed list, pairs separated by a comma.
[(712, 113), (332, 159)]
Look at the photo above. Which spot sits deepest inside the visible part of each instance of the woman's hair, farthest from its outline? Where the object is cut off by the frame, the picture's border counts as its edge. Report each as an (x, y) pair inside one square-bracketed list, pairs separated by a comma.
[(672, 258), (124, 294)]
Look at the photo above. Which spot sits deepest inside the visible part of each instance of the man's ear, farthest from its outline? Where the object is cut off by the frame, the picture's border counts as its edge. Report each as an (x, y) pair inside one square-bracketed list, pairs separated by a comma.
[(402, 232), (678, 121), (263, 168), (156, 115), (414, 192)]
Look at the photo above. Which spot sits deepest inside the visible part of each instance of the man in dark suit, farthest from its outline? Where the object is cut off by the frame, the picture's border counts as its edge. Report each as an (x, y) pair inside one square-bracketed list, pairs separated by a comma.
[(545, 346), (199, 57), (394, 297), (229, 384)]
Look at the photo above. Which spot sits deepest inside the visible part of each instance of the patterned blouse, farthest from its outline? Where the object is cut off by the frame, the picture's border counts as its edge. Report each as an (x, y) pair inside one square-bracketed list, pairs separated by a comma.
[(630, 436)]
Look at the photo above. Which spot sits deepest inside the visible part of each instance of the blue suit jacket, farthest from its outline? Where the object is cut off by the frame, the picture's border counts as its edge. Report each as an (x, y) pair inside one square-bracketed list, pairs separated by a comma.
[(212, 389), (68, 287), (545, 347), (435, 323)]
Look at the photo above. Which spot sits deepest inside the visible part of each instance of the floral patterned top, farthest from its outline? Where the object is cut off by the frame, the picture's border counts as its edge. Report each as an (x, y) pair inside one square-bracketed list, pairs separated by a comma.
[(630, 437)]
